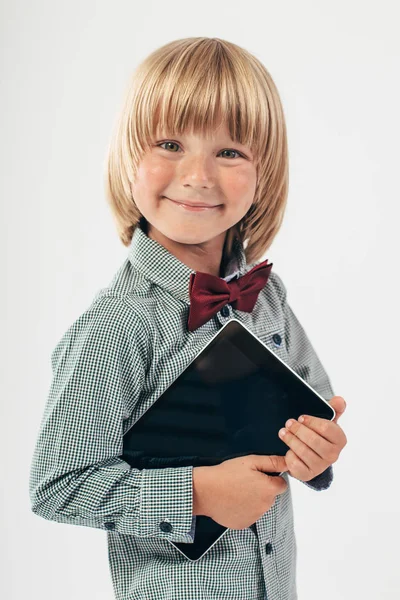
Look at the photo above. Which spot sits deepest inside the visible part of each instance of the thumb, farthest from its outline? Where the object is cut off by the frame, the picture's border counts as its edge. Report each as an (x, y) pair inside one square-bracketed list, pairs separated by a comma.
[(339, 405), (270, 463)]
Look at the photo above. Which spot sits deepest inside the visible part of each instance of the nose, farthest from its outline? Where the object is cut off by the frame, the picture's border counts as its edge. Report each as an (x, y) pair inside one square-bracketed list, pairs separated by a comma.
[(197, 171)]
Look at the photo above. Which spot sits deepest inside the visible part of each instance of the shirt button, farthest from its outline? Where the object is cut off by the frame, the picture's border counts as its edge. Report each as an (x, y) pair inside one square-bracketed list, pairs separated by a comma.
[(268, 548), (277, 339), (225, 311), (109, 525), (166, 527)]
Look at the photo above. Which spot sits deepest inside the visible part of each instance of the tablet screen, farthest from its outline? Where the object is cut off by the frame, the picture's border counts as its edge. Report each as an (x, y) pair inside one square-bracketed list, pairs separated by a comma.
[(231, 400)]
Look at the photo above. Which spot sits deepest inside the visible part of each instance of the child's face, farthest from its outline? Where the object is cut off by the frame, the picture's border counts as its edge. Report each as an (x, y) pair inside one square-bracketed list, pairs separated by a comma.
[(191, 168)]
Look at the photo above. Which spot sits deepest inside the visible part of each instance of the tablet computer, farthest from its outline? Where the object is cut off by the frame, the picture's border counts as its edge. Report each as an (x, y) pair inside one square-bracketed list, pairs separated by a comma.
[(231, 400)]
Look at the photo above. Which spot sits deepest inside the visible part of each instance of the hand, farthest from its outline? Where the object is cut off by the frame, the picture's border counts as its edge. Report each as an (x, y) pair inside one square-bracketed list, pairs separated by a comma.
[(238, 491), (315, 443)]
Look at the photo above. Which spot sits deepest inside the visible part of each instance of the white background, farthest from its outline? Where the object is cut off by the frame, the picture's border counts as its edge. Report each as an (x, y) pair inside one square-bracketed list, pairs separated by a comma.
[(64, 68)]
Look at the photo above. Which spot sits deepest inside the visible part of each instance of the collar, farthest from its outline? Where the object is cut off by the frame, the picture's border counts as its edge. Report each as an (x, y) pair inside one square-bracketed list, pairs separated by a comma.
[(156, 263)]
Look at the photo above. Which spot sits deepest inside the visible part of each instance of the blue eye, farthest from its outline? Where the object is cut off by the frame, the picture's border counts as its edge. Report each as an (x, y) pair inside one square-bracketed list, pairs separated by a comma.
[(225, 150)]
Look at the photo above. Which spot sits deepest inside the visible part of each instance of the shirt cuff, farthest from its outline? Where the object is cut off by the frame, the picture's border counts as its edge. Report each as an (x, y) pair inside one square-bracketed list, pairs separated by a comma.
[(321, 481), (166, 504)]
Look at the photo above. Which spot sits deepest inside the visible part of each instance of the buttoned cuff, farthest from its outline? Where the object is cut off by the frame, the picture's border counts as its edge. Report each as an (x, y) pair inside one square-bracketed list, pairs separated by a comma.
[(166, 504)]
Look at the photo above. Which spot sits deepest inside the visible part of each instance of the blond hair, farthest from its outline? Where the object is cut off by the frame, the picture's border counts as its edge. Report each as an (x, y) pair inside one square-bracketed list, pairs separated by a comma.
[(188, 85)]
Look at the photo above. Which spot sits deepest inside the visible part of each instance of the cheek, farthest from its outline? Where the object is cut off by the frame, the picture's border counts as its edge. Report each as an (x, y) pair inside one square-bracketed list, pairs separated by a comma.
[(153, 176), (240, 186)]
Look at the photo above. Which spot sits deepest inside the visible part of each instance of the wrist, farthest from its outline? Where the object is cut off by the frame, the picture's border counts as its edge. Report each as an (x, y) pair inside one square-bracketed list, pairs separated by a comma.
[(201, 478)]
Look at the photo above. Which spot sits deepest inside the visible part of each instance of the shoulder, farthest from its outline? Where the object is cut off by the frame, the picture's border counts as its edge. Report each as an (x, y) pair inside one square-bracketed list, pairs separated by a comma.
[(109, 313), (134, 290), (276, 286), (109, 323), (274, 294)]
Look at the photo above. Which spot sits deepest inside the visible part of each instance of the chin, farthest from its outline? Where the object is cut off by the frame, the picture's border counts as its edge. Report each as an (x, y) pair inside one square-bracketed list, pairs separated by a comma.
[(187, 238), (180, 233)]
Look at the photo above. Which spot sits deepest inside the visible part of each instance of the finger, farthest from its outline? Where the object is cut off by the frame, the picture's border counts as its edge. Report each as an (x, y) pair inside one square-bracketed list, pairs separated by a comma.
[(338, 414), (339, 405), (297, 468), (311, 459), (311, 438), (332, 432)]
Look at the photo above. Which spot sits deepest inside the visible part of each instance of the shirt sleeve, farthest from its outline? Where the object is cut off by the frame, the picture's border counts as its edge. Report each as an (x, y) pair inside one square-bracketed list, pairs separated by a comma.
[(77, 475), (304, 360)]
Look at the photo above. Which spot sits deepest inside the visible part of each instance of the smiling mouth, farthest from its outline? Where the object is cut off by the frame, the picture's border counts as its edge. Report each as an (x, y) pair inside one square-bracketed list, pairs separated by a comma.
[(191, 207)]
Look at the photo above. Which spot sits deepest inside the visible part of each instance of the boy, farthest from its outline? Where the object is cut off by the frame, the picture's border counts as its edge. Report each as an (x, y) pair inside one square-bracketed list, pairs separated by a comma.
[(218, 107)]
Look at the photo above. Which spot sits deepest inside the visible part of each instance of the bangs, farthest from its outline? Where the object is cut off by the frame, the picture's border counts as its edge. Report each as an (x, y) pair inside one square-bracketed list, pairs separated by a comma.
[(196, 90)]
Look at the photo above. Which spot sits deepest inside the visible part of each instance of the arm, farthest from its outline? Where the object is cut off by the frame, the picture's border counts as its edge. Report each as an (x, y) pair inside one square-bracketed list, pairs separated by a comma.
[(76, 474), (200, 490), (304, 360)]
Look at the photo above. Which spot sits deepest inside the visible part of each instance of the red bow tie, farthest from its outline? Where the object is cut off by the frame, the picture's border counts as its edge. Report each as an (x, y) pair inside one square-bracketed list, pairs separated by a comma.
[(209, 293)]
